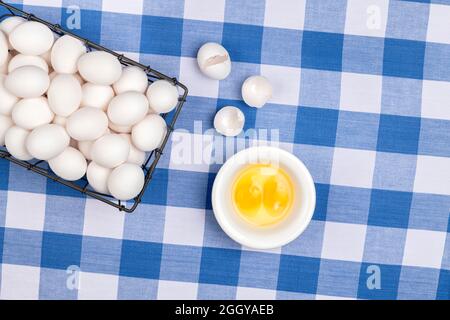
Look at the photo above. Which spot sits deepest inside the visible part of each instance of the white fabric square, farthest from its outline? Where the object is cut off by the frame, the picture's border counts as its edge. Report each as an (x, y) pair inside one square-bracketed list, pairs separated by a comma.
[(173, 290), (198, 84), (352, 167), (343, 241), (19, 282), (287, 14), (439, 24), (101, 220), (424, 248), (436, 99), (285, 82), (206, 10), (360, 92), (131, 7), (244, 293), (190, 151), (43, 3), (184, 226), (367, 17), (25, 210), (432, 175), (97, 286)]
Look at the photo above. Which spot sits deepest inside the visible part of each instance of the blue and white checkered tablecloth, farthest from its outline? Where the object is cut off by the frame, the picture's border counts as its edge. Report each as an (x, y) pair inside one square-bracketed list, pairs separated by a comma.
[(361, 95)]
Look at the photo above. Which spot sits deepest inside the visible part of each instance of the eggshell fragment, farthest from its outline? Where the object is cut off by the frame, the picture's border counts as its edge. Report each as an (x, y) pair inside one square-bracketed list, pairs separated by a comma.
[(97, 96), (99, 67), (214, 61), (15, 142), (3, 49), (69, 165), (110, 151), (229, 121), (32, 38), (87, 124), (136, 156), (7, 99), (162, 96), (21, 60), (128, 108), (32, 112), (47, 141), (97, 177), (5, 123), (256, 91), (65, 54), (64, 95), (27, 82), (132, 79), (126, 181), (148, 134)]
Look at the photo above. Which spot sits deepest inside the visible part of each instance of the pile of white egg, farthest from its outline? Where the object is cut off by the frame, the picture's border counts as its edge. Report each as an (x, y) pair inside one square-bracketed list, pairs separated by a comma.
[(81, 111)]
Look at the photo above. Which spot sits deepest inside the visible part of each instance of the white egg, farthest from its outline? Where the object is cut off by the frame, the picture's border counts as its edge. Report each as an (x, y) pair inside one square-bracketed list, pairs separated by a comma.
[(3, 48), (32, 112), (4, 66), (21, 60), (99, 67), (64, 95), (128, 108), (27, 82), (162, 96), (214, 61), (97, 96), (7, 100), (85, 148), (47, 58), (69, 165), (136, 156), (256, 91), (148, 134), (15, 141), (126, 181), (47, 141), (97, 177), (120, 129), (133, 79), (110, 151), (5, 123), (62, 121), (229, 121), (65, 54), (87, 124), (31, 38), (10, 23)]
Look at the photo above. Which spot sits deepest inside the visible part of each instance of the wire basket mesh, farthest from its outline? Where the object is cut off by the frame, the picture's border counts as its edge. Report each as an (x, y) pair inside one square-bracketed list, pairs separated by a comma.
[(152, 159)]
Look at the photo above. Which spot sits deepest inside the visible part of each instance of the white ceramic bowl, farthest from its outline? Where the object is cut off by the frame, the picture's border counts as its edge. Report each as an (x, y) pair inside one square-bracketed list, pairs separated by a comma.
[(264, 237)]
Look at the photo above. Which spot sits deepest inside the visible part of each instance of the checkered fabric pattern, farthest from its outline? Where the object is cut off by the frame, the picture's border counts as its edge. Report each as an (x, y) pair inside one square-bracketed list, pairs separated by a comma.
[(361, 95)]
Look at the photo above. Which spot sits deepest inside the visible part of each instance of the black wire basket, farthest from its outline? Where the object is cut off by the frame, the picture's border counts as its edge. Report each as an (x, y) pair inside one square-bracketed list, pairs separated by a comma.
[(149, 165)]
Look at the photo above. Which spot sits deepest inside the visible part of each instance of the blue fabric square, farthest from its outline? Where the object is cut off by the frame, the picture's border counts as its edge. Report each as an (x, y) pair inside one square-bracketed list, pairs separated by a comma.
[(319, 88), (264, 122), (51, 14), (394, 171), (316, 126), (196, 33), (334, 282), (65, 216), (298, 274), (437, 62), (245, 12), (400, 23), (418, 283), (140, 259), (26, 181), (443, 292), (187, 189), (53, 285), (363, 54), (101, 255), (145, 224), (214, 236), (161, 35), (403, 58), (318, 160), (243, 42), (389, 208), (59, 251), (56, 189), (401, 96), (90, 27), (357, 130), (259, 270), (22, 247), (119, 39), (191, 114), (430, 212), (172, 8), (156, 192), (309, 243), (231, 87), (322, 194), (2, 237), (322, 50), (348, 204), (281, 47), (169, 65), (398, 134), (384, 245), (325, 15), (180, 263), (220, 266), (3, 204), (137, 289), (4, 178), (434, 137), (389, 278)]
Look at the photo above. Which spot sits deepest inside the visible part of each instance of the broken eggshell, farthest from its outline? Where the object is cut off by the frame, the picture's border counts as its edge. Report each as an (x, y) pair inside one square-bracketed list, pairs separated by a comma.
[(256, 91), (214, 61), (229, 121)]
